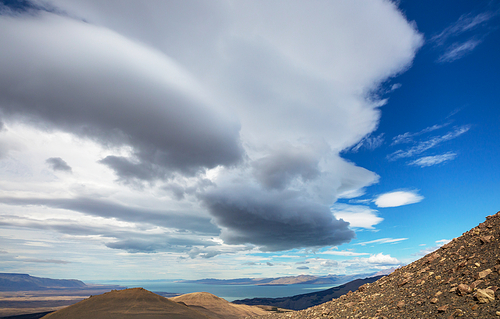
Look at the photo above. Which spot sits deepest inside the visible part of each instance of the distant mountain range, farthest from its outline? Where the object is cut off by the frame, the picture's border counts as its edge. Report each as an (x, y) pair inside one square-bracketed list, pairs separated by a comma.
[(304, 301), (290, 280), (25, 282), (19, 282)]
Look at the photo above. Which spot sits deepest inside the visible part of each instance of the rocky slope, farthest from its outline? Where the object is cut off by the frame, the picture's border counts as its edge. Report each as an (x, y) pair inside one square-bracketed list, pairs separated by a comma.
[(460, 279)]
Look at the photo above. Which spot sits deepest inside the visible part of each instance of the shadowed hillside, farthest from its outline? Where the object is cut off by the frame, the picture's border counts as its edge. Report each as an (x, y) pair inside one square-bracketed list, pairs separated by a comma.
[(303, 301), (127, 304), (216, 307), (460, 279)]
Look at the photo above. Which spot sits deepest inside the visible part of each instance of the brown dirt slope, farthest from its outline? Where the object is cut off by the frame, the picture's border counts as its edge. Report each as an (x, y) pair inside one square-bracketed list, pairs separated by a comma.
[(126, 304), (216, 307), (460, 279)]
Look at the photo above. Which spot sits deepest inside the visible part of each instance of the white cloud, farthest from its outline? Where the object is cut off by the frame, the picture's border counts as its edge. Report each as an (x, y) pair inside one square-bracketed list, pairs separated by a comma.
[(398, 198), (433, 160), (458, 50), (382, 241), (375, 261), (357, 215), (382, 259)]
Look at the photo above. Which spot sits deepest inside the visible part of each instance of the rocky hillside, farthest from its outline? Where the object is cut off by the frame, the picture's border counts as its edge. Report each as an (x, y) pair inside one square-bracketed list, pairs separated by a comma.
[(460, 279)]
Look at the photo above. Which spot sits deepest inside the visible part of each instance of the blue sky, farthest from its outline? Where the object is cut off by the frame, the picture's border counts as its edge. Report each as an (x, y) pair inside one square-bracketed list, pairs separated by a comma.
[(232, 139)]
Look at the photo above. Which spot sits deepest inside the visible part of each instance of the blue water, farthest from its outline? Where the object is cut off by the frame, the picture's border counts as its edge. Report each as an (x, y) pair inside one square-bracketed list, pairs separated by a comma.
[(228, 292)]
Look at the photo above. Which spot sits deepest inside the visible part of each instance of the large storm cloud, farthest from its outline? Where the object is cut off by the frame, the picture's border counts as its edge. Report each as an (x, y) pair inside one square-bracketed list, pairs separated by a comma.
[(233, 112)]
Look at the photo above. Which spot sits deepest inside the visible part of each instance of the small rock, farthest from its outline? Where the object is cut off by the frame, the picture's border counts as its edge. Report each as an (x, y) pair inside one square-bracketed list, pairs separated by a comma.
[(443, 308), (400, 304), (484, 273), (477, 264), (458, 313), (434, 300), (431, 258), (485, 239), (437, 294), (485, 295), (463, 289), (404, 282), (476, 283), (438, 277)]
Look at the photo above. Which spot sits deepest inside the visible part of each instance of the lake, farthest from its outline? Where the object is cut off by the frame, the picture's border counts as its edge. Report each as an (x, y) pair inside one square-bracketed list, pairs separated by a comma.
[(228, 292)]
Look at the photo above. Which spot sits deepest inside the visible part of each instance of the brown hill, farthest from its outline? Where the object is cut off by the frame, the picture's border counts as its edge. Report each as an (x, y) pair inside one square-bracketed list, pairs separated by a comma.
[(216, 307), (126, 304), (461, 279)]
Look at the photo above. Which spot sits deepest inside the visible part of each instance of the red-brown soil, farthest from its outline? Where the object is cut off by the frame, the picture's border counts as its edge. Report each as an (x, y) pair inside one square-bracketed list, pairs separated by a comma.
[(126, 304), (216, 307)]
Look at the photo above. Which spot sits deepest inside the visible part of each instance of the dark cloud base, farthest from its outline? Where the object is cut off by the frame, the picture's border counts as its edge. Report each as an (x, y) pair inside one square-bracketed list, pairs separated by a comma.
[(274, 221)]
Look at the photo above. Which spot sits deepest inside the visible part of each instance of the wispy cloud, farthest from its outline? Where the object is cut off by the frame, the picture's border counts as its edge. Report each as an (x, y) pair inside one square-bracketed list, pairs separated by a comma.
[(382, 241), (369, 142), (398, 198), (345, 253), (423, 146), (458, 50), (408, 136), (465, 25), (433, 160)]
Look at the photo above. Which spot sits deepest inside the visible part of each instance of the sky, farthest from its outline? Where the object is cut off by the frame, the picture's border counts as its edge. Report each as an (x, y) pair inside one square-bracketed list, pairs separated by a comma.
[(228, 139)]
